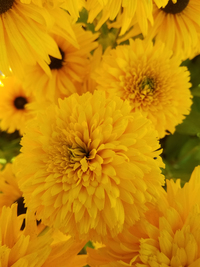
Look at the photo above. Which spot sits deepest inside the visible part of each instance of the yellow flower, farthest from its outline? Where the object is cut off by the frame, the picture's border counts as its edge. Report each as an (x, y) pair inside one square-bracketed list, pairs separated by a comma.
[(23, 35), (66, 73), (72, 6), (176, 239), (27, 248), (14, 100), (178, 26), (9, 189), (88, 166), (151, 79), (170, 236), (138, 10)]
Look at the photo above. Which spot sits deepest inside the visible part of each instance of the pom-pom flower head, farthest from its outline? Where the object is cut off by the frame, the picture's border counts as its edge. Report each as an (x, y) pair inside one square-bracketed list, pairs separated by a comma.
[(87, 166), (151, 79), (168, 237)]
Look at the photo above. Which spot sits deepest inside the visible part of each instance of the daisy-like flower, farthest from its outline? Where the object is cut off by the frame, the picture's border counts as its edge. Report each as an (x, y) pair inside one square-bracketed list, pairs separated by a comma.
[(88, 166), (27, 248), (178, 26), (66, 73), (17, 21), (151, 79), (14, 100), (72, 6), (139, 10), (168, 237)]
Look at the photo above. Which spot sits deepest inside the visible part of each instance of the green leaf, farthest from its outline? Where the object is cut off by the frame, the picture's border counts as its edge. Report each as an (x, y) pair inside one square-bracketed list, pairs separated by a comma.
[(181, 155), (191, 124), (194, 68)]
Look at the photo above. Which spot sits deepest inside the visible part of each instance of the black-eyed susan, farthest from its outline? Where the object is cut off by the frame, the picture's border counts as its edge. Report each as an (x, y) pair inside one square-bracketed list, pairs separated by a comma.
[(87, 166), (24, 37), (138, 10), (28, 248), (151, 79), (66, 72), (168, 237), (14, 100), (178, 26)]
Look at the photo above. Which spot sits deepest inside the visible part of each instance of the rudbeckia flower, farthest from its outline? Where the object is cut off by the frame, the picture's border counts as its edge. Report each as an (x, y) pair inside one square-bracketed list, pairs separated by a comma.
[(88, 166), (178, 26), (27, 248), (151, 79), (65, 73), (14, 100), (139, 10), (169, 236), (24, 37)]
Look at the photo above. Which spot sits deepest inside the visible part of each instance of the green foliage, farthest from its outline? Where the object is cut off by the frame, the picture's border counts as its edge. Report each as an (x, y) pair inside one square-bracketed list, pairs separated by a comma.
[(9, 146), (182, 149)]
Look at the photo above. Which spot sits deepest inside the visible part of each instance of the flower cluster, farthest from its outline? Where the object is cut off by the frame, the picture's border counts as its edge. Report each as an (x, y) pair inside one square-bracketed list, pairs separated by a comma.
[(92, 88)]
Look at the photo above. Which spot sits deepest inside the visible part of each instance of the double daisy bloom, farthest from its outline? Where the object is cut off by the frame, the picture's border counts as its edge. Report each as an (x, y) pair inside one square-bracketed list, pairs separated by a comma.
[(91, 107)]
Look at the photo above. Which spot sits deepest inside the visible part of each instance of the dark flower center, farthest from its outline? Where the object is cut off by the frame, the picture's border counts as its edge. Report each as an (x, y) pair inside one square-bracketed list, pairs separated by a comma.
[(172, 8), (20, 102), (5, 5), (57, 63)]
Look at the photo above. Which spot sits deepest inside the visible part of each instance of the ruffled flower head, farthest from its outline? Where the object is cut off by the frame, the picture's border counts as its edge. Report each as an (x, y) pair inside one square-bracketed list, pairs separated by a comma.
[(151, 79), (88, 166), (168, 237)]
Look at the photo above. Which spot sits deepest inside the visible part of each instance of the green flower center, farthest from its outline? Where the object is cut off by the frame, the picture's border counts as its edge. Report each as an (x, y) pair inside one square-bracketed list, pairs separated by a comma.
[(5, 5), (20, 102), (57, 63), (77, 154), (147, 84), (172, 8)]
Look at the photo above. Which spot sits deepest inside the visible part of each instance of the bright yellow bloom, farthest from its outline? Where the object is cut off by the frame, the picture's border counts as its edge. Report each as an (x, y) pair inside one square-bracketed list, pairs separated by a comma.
[(66, 74), (170, 236), (14, 100), (23, 35), (151, 79), (9, 189), (88, 166), (178, 26), (137, 10), (72, 6), (27, 248)]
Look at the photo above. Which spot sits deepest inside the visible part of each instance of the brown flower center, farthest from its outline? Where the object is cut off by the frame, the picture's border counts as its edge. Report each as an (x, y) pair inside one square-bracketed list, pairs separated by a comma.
[(172, 8), (57, 63), (20, 102), (5, 5)]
